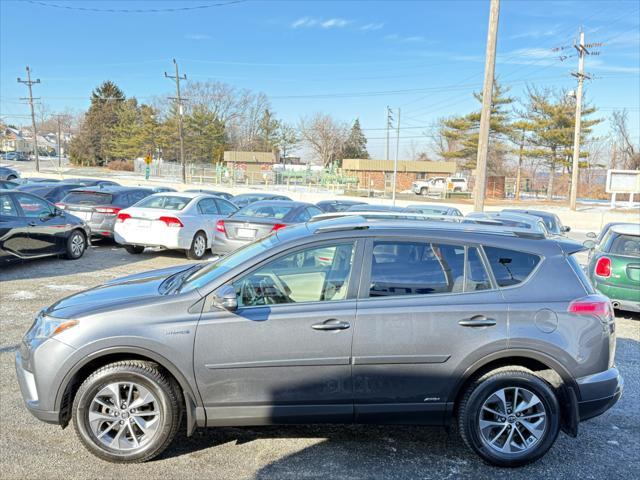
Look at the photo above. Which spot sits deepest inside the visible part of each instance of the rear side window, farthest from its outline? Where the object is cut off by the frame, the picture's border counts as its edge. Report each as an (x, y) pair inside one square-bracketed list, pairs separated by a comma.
[(164, 202), (226, 208), (7, 208), (88, 198), (627, 245), (510, 267)]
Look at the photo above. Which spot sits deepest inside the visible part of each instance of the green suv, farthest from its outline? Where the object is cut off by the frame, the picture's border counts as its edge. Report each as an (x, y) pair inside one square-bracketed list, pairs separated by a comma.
[(614, 266)]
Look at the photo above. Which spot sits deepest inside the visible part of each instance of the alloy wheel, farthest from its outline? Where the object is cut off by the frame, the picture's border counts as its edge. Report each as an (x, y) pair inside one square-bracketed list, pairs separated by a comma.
[(199, 246), (77, 245), (512, 420)]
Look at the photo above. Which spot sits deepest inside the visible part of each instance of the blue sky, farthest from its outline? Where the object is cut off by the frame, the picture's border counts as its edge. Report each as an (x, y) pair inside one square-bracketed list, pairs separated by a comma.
[(347, 58)]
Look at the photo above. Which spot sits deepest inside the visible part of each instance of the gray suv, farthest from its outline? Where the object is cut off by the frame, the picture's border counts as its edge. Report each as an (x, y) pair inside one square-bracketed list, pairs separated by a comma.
[(340, 321)]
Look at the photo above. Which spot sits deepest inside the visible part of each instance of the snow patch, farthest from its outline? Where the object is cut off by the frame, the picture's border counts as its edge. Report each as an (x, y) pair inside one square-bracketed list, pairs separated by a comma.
[(70, 287), (22, 295)]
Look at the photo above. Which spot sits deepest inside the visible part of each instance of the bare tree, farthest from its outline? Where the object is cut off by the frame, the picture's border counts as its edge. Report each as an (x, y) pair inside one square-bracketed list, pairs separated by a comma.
[(624, 150), (324, 136)]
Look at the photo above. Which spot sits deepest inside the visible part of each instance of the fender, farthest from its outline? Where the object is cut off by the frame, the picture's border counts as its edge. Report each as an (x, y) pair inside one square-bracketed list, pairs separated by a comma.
[(193, 402)]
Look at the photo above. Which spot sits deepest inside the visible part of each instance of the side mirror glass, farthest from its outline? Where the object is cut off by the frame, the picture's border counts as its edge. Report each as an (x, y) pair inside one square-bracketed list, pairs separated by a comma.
[(590, 244), (225, 298), (566, 229), (591, 235)]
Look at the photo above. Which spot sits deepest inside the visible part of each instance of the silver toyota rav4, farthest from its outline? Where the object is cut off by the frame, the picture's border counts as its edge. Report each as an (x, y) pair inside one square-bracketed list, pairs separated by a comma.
[(346, 320)]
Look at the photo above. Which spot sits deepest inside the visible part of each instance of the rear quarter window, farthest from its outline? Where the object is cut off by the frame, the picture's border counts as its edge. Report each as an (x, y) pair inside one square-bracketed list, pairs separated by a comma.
[(88, 198), (511, 267)]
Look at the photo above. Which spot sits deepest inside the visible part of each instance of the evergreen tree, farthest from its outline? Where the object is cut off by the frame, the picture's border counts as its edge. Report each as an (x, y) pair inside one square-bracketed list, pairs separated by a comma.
[(356, 144)]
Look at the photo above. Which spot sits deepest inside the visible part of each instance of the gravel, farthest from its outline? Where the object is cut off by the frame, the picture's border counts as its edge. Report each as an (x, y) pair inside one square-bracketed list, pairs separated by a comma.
[(607, 446)]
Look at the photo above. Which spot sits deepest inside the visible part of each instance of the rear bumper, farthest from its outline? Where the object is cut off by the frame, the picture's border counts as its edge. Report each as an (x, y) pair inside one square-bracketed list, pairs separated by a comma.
[(599, 393), (221, 245), (623, 298), (171, 239)]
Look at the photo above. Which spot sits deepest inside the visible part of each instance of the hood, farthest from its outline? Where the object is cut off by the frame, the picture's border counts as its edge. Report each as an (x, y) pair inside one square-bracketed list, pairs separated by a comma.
[(118, 293)]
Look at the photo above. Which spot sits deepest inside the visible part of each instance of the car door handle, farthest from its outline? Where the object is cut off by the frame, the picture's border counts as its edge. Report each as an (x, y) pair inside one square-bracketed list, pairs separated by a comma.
[(477, 321), (331, 324)]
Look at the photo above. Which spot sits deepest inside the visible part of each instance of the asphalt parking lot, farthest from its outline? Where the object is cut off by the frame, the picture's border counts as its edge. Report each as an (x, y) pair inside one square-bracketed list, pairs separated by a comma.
[(607, 446)]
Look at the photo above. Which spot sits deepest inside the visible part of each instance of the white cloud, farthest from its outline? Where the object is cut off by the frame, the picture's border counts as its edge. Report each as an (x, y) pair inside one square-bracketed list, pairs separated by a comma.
[(335, 23), (410, 39), (197, 36), (304, 22), (372, 26)]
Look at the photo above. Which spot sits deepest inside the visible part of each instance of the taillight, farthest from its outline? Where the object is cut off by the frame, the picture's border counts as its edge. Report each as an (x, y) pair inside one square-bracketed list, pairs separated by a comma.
[(171, 222), (108, 210), (603, 267), (594, 305), (278, 226), (220, 226), (122, 217)]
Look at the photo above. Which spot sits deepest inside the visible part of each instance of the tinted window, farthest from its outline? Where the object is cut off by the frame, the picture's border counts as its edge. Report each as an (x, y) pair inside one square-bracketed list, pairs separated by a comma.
[(265, 211), (412, 268), (312, 275), (88, 198), (164, 202), (303, 215), (7, 207), (510, 267), (207, 206), (226, 208), (476, 275), (313, 211), (627, 245), (137, 196), (32, 206)]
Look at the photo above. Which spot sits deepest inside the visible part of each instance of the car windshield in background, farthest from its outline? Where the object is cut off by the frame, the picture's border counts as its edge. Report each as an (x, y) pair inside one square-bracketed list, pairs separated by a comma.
[(627, 245), (265, 211), (164, 202), (209, 273), (88, 198)]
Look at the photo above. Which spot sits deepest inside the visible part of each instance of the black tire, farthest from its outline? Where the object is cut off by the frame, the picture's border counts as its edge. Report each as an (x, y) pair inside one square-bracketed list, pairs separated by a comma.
[(424, 191), (193, 253), (147, 374), (134, 249), (482, 389), (76, 245)]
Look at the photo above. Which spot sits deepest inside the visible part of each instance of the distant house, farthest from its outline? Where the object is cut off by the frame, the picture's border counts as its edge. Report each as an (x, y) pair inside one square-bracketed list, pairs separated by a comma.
[(378, 174), (250, 162), (14, 140)]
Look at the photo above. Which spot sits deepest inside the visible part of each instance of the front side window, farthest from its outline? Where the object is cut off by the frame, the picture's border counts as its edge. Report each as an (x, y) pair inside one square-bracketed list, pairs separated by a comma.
[(33, 206), (416, 268), (510, 267), (316, 274)]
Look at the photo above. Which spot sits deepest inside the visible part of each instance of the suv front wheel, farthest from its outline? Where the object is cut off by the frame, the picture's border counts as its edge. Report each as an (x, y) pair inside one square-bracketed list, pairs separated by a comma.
[(510, 417), (127, 411)]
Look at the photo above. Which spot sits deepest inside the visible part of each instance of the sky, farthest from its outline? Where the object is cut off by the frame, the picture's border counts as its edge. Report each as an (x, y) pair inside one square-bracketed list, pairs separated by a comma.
[(350, 59)]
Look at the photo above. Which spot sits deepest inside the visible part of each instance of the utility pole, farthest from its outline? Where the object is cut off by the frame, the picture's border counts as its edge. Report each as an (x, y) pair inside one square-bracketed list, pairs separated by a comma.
[(395, 162), (59, 142), (575, 168), (178, 99), (29, 83), (389, 124), (485, 116)]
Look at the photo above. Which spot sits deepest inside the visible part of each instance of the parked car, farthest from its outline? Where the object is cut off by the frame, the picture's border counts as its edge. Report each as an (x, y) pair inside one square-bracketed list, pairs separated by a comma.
[(32, 180), (339, 322), (176, 221), (551, 220), (8, 185), (15, 156), (99, 206), (614, 266), (511, 220), (330, 206), (7, 173), (245, 199), (31, 227), (92, 182), (598, 237), (431, 209), (440, 185), (53, 192), (257, 220), (215, 193), (161, 189), (367, 207)]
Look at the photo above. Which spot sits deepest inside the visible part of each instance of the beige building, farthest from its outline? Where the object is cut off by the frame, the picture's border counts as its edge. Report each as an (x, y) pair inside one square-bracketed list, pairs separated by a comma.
[(250, 162)]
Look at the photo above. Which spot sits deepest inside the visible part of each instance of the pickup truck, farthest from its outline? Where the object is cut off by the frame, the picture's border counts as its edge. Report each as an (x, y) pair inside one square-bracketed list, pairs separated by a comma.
[(440, 185)]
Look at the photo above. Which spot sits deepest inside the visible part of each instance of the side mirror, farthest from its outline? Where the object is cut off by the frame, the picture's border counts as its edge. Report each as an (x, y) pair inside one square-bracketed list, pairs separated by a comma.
[(591, 235), (225, 298), (58, 212), (566, 229), (590, 244)]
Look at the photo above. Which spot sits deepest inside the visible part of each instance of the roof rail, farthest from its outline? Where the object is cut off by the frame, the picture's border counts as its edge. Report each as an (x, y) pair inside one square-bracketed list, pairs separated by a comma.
[(339, 228)]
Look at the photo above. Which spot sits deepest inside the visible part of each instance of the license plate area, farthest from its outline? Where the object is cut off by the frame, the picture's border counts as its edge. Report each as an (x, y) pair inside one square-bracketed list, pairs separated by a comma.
[(246, 233)]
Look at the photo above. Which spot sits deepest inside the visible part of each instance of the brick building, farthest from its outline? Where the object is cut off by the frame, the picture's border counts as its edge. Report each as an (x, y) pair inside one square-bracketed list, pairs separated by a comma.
[(378, 174)]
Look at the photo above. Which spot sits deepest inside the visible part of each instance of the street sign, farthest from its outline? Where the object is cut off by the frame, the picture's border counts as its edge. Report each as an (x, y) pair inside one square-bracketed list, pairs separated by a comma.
[(148, 159)]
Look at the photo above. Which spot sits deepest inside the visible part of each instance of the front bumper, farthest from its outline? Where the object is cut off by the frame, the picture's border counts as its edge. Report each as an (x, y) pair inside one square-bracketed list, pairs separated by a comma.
[(599, 392), (29, 391)]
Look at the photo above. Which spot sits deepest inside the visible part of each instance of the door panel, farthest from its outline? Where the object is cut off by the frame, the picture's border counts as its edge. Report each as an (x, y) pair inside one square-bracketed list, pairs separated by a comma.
[(14, 236)]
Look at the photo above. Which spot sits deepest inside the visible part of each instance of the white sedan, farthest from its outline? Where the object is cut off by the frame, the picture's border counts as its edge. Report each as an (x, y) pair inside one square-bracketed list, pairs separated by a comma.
[(172, 220)]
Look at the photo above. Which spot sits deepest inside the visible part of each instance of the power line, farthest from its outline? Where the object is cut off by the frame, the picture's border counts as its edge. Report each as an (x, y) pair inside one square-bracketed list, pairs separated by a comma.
[(133, 10), (29, 83), (178, 100)]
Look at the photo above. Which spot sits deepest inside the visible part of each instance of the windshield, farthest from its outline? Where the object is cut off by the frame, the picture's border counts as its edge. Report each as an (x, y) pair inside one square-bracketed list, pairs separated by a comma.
[(212, 271), (265, 211), (164, 202), (88, 198)]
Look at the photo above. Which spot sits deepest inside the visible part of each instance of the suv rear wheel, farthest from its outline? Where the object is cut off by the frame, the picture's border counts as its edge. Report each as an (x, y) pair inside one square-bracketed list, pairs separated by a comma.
[(510, 417), (127, 411)]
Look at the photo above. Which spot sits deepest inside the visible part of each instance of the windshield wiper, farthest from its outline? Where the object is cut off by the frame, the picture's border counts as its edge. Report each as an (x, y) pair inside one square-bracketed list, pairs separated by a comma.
[(173, 282)]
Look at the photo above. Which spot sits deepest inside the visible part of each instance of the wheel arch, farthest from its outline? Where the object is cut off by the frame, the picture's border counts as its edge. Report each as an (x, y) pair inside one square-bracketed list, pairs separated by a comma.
[(89, 364)]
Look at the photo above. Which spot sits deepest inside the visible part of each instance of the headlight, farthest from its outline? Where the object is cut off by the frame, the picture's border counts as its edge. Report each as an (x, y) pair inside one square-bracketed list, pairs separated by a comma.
[(46, 327)]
